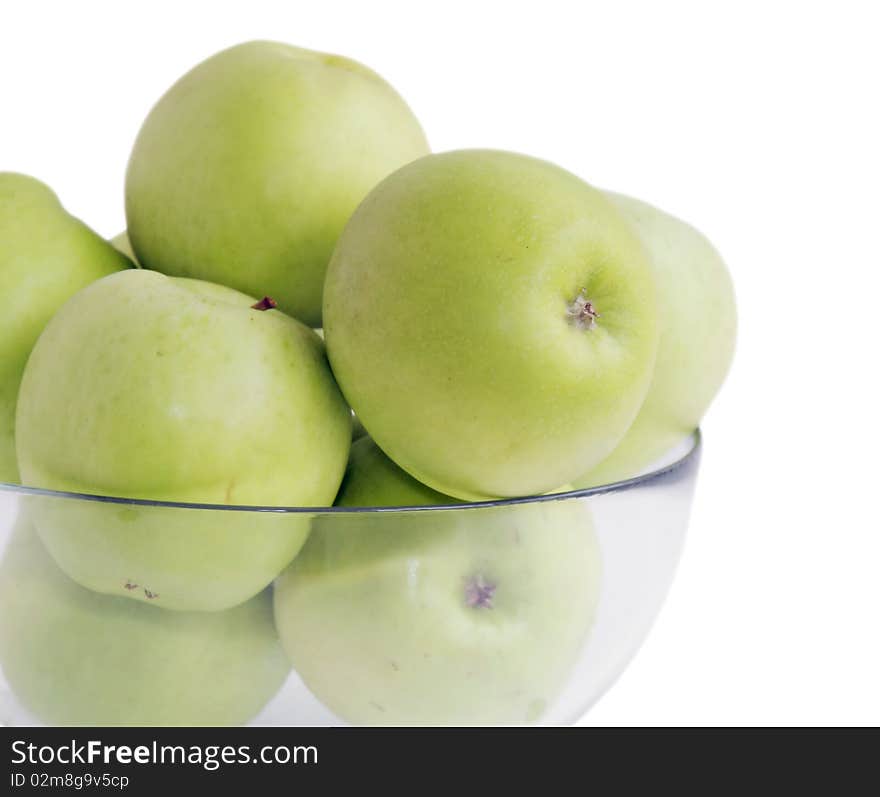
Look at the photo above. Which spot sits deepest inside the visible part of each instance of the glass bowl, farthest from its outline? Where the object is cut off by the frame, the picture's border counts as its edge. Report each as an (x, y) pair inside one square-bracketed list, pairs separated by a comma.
[(505, 612)]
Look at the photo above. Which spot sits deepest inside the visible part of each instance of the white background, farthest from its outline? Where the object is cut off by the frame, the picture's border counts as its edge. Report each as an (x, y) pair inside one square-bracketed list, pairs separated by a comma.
[(756, 122)]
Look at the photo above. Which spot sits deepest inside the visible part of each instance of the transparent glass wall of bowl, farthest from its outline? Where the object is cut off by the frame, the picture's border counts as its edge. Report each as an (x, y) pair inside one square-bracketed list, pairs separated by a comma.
[(525, 611)]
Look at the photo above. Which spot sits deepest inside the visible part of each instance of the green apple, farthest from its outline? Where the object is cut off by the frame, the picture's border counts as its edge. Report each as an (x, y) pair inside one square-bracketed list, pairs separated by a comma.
[(74, 657), (46, 255), (357, 428), (450, 616), (247, 169), (697, 337), (122, 244), (492, 320), (151, 387)]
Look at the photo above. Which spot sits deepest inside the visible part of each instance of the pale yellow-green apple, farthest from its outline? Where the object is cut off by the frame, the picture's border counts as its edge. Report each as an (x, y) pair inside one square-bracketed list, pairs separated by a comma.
[(121, 243), (247, 169), (46, 255), (152, 387), (453, 616), (492, 320), (697, 337), (74, 657)]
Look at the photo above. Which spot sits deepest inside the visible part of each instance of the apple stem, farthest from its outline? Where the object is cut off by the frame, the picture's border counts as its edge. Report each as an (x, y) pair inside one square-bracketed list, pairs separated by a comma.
[(478, 593), (266, 303), (581, 311)]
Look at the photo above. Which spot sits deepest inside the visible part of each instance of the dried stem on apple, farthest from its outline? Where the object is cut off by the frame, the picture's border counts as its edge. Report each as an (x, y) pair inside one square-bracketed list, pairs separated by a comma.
[(582, 312)]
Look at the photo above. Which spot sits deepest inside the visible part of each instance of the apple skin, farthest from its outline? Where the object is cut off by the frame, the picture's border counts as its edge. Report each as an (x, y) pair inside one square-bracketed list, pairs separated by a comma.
[(121, 243), (357, 429), (447, 310), (697, 340), (74, 657), (247, 169), (46, 255), (380, 617), (150, 387)]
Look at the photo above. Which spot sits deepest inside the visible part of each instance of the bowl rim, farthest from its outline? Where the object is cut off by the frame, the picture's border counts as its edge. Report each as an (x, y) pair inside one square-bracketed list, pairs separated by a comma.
[(695, 440)]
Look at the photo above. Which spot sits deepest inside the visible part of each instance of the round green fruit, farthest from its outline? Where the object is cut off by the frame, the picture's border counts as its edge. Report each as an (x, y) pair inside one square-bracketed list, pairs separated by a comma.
[(150, 387), (248, 168), (46, 255), (74, 657), (491, 319), (357, 429), (453, 616), (121, 243), (697, 339)]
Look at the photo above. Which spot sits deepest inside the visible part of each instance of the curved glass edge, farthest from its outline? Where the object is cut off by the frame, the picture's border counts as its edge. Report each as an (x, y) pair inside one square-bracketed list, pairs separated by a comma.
[(661, 474)]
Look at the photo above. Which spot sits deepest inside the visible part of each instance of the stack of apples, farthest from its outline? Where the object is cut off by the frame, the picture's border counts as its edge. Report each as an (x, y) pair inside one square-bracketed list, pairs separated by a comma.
[(496, 327)]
